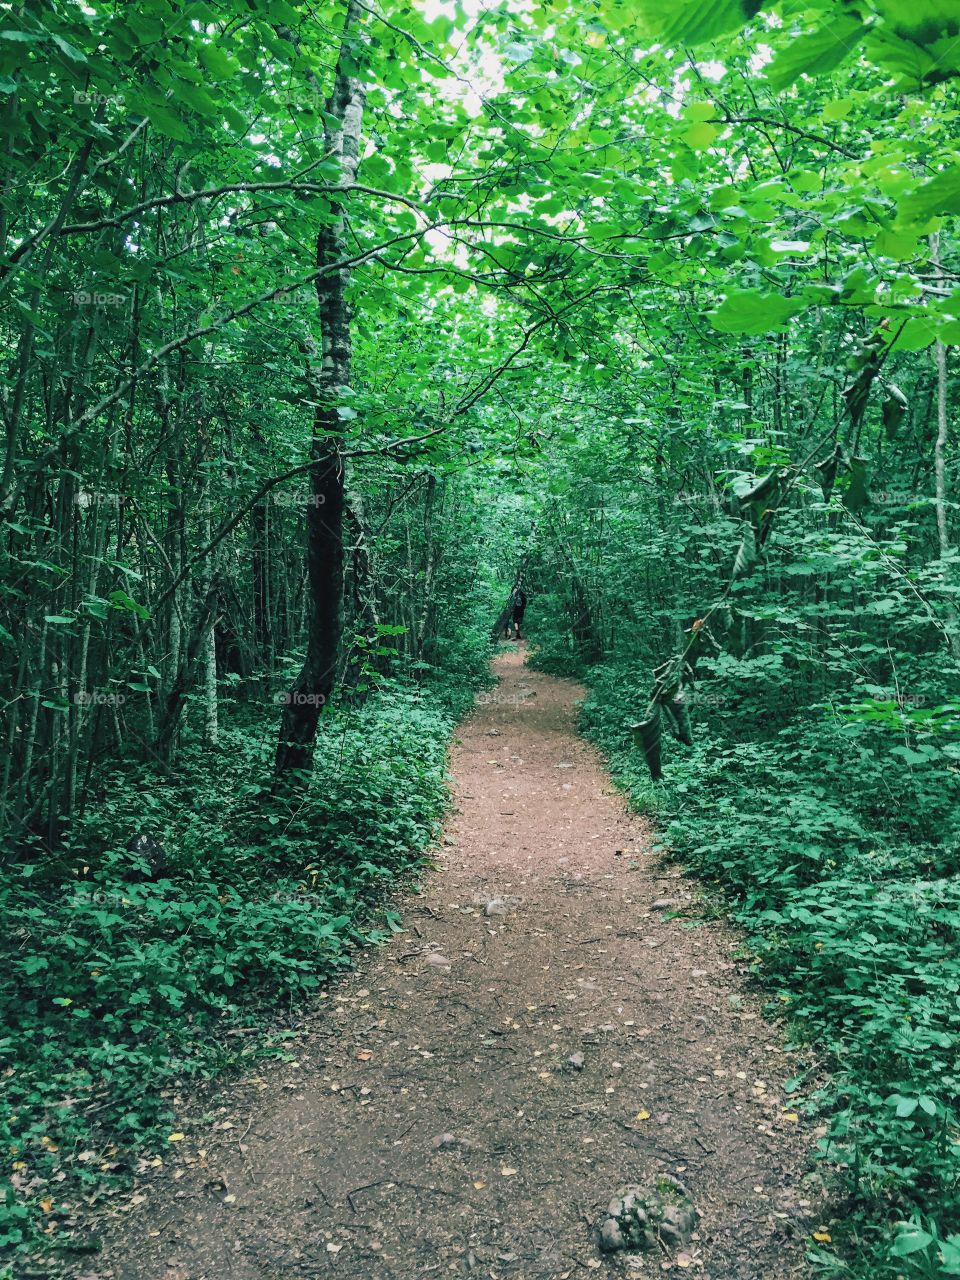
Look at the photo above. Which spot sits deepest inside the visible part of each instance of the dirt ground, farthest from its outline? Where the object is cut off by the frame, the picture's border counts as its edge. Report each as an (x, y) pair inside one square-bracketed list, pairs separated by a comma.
[(434, 1124)]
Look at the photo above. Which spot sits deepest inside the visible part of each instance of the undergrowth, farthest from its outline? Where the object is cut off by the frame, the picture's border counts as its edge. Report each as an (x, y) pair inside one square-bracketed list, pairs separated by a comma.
[(835, 835), (115, 983)]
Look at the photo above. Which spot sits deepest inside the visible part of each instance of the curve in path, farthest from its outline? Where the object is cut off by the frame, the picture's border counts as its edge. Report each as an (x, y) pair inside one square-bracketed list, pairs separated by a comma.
[(435, 1124)]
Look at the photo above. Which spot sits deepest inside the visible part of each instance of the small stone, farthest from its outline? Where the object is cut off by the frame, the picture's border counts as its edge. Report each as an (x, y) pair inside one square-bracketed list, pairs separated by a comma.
[(495, 907), (576, 1060), (611, 1237), (450, 1142), (661, 904), (648, 1218), (437, 960)]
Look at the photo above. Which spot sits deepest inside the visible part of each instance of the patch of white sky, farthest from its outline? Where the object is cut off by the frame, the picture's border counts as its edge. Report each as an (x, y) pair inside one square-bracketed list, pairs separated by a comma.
[(480, 74)]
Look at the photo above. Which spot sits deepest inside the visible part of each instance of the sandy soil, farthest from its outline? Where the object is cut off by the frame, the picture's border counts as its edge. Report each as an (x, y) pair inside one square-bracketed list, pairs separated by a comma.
[(433, 1124)]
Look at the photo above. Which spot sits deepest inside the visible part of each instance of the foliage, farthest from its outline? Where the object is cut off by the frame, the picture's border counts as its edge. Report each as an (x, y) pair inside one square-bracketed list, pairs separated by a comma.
[(659, 301), (843, 868), (117, 986)]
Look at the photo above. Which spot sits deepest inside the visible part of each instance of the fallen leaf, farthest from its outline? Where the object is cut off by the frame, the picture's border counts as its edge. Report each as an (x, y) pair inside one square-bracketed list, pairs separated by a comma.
[(791, 1117), (478, 1186), (46, 1206), (643, 1115), (363, 1055), (684, 1260), (823, 1236), (334, 1248), (176, 1137), (508, 1172), (231, 1199)]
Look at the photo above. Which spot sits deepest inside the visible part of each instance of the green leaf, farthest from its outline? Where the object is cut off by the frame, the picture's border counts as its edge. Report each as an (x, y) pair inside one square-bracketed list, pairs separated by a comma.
[(196, 97), (818, 52), (216, 61), (950, 1255), (940, 195), (694, 21), (912, 1240), (899, 245), (750, 311), (917, 334), (700, 136), (120, 600), (165, 122), (65, 47), (838, 109)]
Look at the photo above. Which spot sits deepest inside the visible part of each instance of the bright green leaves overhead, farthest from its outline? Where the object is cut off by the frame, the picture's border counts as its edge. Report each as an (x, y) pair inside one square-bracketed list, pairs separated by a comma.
[(816, 53), (751, 312), (919, 39), (692, 22), (918, 42)]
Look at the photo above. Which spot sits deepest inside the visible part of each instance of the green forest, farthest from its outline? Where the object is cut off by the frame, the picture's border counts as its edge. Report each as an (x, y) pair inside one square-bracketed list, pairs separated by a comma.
[(325, 326)]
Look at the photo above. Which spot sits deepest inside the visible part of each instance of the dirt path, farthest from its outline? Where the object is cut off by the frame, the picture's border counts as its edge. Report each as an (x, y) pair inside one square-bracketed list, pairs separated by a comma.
[(464, 1026)]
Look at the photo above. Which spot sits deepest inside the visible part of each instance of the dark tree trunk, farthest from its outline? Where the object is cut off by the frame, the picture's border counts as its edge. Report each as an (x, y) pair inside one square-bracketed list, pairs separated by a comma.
[(324, 518)]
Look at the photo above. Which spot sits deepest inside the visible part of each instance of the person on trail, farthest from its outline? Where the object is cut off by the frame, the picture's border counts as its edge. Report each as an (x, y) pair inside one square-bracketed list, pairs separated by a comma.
[(518, 603)]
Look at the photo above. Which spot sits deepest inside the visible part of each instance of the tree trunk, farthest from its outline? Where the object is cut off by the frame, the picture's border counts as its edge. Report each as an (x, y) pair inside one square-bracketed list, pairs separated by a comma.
[(211, 718), (430, 568), (939, 460), (324, 517)]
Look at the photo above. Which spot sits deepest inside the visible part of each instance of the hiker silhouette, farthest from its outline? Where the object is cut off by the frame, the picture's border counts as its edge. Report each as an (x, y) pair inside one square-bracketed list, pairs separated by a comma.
[(518, 604)]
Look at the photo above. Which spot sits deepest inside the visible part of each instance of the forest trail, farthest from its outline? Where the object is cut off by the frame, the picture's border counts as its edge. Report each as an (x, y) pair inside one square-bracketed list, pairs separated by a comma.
[(463, 1026)]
